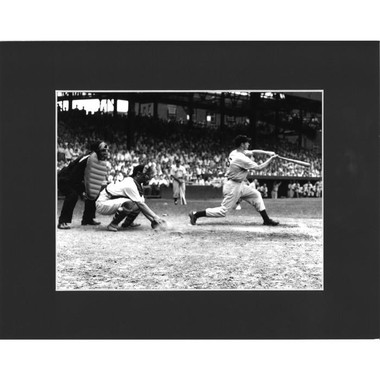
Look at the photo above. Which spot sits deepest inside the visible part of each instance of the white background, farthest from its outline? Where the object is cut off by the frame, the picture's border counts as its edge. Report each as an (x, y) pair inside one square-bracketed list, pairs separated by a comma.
[(193, 20)]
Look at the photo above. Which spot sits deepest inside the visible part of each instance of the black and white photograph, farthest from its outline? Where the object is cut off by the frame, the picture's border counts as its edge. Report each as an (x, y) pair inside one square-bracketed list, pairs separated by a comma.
[(189, 190), (168, 192), (200, 286)]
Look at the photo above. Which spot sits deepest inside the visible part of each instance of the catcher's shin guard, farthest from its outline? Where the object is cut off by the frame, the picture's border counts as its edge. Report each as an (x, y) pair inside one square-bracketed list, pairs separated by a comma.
[(130, 213), (130, 218), (121, 213)]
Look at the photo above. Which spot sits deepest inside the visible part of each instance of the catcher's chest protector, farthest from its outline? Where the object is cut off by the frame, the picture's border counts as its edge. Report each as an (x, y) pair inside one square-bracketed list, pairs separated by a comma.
[(94, 176)]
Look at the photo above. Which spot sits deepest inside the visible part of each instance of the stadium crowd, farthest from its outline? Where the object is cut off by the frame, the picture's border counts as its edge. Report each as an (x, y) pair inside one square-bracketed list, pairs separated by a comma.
[(204, 158)]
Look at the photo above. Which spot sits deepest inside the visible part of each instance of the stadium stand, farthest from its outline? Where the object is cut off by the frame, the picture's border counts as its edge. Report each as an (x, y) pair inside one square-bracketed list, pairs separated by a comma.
[(202, 149)]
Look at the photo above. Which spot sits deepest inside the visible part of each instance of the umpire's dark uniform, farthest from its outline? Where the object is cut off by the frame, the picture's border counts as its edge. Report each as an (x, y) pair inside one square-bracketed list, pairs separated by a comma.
[(71, 185)]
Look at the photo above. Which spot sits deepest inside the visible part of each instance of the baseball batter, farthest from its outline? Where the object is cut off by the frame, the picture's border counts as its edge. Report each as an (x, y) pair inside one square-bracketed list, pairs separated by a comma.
[(125, 200), (177, 173), (236, 186)]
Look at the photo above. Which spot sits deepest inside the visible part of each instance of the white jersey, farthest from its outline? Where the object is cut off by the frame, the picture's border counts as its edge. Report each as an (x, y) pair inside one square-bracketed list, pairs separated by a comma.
[(178, 172), (126, 188), (239, 164)]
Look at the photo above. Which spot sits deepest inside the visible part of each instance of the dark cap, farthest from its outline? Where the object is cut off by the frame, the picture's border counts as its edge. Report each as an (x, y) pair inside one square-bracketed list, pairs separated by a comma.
[(145, 169), (98, 146), (239, 139)]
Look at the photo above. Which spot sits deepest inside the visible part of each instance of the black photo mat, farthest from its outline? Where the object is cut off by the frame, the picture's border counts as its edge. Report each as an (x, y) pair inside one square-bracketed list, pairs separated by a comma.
[(31, 72)]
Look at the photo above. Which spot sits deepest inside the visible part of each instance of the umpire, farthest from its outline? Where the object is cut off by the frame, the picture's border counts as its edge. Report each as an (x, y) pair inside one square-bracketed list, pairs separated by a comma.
[(71, 185)]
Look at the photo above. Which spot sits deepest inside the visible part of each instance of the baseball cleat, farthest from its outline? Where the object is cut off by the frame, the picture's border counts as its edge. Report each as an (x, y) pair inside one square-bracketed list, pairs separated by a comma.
[(91, 222), (193, 218), (112, 227), (271, 222), (63, 226)]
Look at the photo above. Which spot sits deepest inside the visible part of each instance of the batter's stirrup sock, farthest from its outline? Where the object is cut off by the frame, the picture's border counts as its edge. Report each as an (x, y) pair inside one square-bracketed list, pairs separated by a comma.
[(264, 215), (199, 214), (118, 217)]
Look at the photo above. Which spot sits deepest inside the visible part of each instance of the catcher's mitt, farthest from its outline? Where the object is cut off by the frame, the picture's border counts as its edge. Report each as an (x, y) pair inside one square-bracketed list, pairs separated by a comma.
[(154, 224), (162, 225)]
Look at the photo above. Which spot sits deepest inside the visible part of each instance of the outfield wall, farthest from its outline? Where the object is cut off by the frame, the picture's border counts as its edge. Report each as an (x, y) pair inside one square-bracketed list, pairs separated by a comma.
[(194, 192), (210, 192)]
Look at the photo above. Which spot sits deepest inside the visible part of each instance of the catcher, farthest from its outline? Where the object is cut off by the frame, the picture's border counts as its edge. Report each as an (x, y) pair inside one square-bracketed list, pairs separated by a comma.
[(86, 175), (125, 200)]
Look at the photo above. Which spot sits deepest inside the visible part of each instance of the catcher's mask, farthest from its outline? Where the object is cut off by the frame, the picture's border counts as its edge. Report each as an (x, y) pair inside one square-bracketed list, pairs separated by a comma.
[(101, 149), (145, 172)]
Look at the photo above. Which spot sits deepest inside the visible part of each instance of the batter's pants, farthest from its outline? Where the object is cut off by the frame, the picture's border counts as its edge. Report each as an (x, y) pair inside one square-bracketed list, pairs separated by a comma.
[(232, 192)]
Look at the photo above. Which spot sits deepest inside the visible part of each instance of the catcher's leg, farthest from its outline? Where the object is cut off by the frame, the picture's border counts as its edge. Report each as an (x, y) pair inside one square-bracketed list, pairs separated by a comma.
[(132, 213), (108, 206), (127, 210)]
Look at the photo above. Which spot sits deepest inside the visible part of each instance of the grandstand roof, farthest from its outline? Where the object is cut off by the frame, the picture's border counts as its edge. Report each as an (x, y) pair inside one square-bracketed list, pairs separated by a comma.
[(230, 103)]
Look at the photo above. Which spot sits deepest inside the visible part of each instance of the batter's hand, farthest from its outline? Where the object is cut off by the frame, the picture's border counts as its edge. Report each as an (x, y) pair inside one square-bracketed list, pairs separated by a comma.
[(269, 153)]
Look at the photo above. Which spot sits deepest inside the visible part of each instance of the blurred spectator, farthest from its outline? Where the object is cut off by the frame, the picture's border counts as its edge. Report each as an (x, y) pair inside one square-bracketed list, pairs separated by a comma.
[(275, 188), (297, 190), (161, 143), (263, 190), (68, 152), (318, 189), (61, 157), (291, 189)]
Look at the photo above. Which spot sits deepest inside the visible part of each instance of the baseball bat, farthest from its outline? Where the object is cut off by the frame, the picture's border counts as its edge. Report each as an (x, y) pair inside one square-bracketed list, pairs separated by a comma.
[(182, 195), (298, 162)]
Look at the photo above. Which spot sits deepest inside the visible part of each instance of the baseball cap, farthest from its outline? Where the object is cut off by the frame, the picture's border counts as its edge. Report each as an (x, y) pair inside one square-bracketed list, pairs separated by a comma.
[(145, 169), (239, 139)]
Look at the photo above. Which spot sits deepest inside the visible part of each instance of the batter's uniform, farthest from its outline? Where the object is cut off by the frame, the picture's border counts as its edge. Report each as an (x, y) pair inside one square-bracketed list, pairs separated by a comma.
[(178, 172), (71, 185), (237, 187), (121, 198)]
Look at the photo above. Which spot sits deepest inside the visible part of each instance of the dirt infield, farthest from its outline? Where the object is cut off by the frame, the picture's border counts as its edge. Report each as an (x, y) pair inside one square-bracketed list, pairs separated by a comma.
[(232, 253)]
